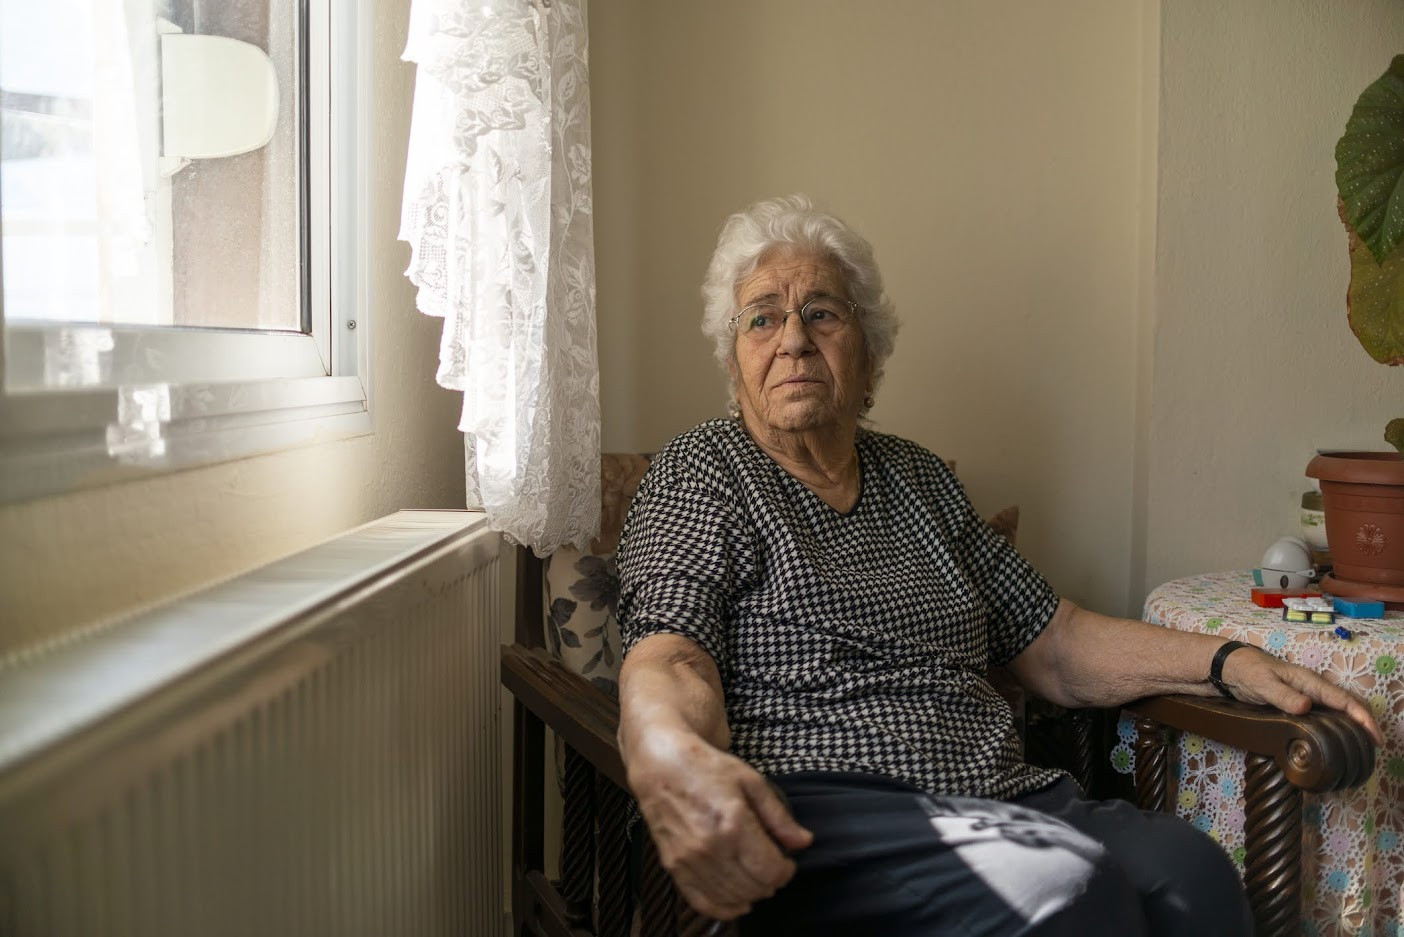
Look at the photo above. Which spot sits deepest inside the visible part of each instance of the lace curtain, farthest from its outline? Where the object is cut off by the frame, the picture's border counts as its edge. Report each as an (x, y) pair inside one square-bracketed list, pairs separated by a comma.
[(498, 216)]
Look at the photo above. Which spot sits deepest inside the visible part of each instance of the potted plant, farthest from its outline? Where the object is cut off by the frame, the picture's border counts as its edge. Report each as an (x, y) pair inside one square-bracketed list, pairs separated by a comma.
[(1364, 491)]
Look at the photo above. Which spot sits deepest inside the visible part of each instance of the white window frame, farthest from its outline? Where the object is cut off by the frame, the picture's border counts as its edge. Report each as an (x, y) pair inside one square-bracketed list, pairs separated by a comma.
[(187, 397)]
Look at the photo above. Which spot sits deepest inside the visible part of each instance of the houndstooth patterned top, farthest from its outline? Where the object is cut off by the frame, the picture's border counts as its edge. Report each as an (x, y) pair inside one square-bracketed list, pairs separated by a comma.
[(846, 642)]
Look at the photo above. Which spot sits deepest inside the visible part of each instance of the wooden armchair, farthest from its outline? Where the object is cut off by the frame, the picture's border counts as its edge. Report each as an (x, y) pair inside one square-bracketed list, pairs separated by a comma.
[(594, 894), (1285, 755)]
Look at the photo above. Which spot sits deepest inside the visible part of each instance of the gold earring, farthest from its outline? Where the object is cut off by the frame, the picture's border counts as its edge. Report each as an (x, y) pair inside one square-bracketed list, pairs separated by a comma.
[(734, 410)]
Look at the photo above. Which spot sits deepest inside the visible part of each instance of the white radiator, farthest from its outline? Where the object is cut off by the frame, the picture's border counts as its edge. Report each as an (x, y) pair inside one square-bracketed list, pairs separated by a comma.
[(310, 749)]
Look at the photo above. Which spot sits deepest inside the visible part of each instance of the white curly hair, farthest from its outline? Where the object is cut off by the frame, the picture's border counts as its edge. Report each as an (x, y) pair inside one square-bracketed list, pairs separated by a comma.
[(793, 221)]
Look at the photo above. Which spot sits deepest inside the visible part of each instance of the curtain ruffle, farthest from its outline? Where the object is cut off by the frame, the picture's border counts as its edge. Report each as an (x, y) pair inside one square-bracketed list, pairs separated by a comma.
[(498, 215)]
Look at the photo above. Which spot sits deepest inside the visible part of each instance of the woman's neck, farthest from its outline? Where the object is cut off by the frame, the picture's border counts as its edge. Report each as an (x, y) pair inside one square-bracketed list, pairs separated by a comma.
[(825, 462)]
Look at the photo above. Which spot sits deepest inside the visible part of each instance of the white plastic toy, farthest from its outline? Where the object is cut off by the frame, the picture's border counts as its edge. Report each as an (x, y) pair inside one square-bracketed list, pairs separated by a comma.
[(1287, 564)]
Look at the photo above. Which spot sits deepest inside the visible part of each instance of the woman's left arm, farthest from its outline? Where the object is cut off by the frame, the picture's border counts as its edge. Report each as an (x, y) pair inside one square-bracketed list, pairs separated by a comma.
[(1085, 659)]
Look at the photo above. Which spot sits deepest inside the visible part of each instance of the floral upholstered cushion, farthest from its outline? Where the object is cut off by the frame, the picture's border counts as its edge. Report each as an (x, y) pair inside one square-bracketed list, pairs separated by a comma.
[(582, 586), (581, 592)]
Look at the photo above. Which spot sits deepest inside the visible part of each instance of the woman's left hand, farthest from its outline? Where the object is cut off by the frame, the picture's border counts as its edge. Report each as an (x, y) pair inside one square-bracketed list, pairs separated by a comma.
[(1255, 676)]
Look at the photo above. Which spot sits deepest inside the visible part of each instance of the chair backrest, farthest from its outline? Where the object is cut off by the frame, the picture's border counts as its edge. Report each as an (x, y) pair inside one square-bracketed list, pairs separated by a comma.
[(581, 587)]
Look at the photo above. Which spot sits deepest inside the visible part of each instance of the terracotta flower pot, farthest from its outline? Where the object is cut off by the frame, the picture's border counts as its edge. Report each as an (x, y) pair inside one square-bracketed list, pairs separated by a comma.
[(1364, 496)]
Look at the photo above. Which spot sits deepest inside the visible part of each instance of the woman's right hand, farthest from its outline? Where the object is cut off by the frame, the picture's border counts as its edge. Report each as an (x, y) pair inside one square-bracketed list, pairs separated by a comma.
[(721, 830)]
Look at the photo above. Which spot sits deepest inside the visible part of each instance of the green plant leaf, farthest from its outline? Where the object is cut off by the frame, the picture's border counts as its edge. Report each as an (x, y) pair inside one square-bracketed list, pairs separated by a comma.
[(1370, 163), (1394, 434), (1375, 301)]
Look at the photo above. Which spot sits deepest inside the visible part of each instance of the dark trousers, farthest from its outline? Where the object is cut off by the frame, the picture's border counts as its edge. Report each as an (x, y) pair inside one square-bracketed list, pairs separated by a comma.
[(888, 859)]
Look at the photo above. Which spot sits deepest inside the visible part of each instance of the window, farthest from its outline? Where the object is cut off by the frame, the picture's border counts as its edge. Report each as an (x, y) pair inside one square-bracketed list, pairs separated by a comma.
[(181, 199)]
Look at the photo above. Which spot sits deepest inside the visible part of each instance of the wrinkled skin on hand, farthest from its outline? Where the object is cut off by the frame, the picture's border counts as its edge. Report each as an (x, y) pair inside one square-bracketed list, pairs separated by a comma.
[(720, 828), (1255, 676)]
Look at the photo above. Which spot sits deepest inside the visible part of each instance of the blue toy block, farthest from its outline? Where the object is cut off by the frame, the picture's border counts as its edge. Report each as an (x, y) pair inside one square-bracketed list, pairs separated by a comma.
[(1358, 608)]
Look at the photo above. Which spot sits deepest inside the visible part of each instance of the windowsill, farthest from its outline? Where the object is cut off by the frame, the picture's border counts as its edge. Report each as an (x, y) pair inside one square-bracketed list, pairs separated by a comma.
[(71, 686)]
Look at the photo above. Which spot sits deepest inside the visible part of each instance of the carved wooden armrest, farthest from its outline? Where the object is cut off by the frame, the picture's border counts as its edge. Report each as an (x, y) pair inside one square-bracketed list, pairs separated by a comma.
[(585, 717), (1285, 755), (596, 810), (1323, 750)]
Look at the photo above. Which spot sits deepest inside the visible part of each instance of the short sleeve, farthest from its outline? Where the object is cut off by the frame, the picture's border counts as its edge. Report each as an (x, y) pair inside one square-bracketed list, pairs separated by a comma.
[(683, 557), (1020, 601)]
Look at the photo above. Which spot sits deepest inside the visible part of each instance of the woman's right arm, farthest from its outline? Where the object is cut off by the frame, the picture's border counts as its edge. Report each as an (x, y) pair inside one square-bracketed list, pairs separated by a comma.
[(720, 829)]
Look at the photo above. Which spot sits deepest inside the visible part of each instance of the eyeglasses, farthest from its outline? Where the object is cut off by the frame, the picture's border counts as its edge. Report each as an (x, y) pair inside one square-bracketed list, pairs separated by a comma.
[(822, 315)]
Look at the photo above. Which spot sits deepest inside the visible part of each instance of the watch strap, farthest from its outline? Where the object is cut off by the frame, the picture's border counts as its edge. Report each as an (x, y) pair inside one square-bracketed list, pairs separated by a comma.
[(1216, 669)]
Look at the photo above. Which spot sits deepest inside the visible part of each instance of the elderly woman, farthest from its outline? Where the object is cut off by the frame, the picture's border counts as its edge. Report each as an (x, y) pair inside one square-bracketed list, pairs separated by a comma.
[(810, 607)]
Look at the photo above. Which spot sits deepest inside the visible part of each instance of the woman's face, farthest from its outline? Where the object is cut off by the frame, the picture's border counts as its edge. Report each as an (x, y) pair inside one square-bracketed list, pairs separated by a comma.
[(798, 381)]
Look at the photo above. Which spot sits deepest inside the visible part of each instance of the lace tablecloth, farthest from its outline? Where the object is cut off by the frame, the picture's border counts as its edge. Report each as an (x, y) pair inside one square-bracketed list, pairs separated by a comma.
[(1353, 856)]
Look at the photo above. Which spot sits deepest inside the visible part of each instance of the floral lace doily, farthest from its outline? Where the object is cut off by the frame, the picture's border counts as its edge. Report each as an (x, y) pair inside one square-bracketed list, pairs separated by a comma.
[(1353, 851)]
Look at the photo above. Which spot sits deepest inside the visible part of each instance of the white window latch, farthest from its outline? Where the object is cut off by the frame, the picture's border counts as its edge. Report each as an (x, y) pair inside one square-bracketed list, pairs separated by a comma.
[(219, 97)]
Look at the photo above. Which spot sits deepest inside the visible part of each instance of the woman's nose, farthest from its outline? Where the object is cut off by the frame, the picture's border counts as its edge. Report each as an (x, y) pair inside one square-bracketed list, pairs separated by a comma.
[(794, 335)]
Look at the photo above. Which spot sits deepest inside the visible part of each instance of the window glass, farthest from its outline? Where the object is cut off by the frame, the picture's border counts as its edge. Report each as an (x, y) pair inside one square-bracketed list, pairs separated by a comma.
[(151, 163)]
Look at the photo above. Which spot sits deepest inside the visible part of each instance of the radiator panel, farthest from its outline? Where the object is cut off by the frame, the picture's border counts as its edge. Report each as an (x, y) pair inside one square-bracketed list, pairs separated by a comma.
[(337, 773)]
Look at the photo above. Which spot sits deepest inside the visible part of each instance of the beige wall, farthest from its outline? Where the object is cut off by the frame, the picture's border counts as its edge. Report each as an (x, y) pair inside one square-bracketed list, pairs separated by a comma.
[(994, 154), (1108, 226), (71, 561), (1254, 366)]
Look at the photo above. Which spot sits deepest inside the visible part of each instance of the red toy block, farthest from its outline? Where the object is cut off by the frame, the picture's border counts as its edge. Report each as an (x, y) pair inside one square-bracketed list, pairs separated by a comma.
[(1272, 598)]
